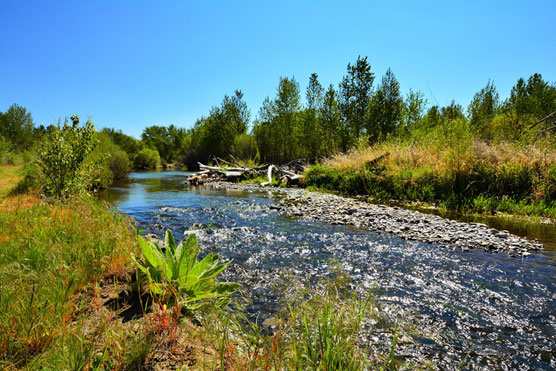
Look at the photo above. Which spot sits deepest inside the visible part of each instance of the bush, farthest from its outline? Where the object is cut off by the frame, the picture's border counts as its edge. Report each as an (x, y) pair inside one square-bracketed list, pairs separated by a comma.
[(147, 158), (61, 159), (119, 164)]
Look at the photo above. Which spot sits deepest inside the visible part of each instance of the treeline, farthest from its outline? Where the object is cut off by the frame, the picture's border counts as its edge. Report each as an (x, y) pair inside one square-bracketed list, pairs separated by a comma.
[(358, 111)]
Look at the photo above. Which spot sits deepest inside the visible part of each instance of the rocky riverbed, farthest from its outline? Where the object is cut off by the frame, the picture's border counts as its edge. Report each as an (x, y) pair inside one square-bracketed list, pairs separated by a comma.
[(392, 221)]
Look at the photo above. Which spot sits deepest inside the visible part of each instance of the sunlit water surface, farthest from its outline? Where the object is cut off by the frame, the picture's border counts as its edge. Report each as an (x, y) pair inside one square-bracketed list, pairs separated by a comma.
[(501, 310)]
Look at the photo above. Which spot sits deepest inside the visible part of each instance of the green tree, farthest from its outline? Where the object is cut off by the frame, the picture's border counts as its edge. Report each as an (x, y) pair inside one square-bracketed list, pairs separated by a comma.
[(311, 128), (126, 142), (147, 158), (536, 98), (529, 102), (413, 111), (452, 112), (16, 125), (386, 108), (331, 121), (215, 135), (277, 128), (158, 137), (483, 108), (355, 95)]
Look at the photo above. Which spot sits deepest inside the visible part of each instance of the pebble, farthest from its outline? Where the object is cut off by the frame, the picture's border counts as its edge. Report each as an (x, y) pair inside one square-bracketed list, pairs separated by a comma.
[(393, 221)]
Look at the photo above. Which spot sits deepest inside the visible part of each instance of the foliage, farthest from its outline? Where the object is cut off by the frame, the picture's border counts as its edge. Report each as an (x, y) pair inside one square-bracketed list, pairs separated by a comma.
[(16, 126), (114, 162), (355, 95), (277, 130), (61, 159), (483, 109), (386, 108), (175, 275), (216, 134), (147, 158), (170, 142)]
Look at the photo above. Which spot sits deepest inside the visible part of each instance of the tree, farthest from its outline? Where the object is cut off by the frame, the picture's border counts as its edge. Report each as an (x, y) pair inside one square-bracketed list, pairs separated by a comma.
[(311, 134), (331, 122), (215, 135), (483, 108), (536, 98), (528, 103), (355, 95), (413, 110), (452, 112), (386, 108), (157, 137), (126, 142), (277, 128), (16, 125)]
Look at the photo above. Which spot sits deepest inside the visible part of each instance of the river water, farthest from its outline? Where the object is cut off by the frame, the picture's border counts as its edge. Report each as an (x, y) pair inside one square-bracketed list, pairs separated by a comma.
[(500, 310)]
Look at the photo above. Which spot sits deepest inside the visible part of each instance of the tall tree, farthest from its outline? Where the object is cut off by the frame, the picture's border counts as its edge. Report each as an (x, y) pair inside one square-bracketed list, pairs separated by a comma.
[(452, 112), (355, 95), (483, 108), (386, 108), (311, 135), (16, 125), (215, 135), (157, 137), (277, 128), (331, 121), (413, 110)]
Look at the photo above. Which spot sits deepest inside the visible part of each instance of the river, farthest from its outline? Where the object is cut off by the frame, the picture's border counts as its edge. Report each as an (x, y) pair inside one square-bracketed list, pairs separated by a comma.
[(499, 309)]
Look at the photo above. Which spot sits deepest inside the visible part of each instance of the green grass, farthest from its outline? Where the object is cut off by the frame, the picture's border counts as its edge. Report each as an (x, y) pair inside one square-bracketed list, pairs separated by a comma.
[(9, 176), (317, 327), (49, 251)]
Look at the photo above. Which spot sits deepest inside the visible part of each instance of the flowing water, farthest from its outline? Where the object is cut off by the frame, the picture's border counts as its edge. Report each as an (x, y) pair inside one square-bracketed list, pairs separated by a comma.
[(498, 309)]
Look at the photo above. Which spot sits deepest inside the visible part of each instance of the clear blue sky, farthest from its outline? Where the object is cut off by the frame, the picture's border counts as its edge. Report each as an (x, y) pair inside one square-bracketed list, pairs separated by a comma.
[(131, 64)]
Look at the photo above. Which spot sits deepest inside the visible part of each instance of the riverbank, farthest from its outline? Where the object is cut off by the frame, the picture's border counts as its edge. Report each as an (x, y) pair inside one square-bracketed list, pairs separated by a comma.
[(69, 300), (455, 175), (394, 221)]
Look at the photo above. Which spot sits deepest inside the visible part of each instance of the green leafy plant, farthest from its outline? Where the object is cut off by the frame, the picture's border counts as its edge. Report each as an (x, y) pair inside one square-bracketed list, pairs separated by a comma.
[(177, 276), (62, 156)]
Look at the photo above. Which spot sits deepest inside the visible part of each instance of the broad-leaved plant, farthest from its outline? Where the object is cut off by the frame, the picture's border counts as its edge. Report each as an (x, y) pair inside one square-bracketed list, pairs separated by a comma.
[(176, 274)]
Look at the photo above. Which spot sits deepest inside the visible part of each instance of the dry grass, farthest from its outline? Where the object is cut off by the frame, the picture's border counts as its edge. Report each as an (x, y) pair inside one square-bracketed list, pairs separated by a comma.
[(437, 157), (463, 174), (9, 176)]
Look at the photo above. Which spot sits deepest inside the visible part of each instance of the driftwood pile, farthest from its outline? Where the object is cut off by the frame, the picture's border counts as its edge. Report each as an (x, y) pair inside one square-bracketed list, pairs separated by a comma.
[(290, 174)]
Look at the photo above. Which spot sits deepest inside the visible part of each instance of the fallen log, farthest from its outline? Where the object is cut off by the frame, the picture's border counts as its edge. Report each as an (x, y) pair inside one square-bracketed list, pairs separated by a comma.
[(234, 172)]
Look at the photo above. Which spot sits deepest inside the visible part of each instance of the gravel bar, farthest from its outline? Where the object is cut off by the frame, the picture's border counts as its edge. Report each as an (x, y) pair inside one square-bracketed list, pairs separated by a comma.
[(391, 220)]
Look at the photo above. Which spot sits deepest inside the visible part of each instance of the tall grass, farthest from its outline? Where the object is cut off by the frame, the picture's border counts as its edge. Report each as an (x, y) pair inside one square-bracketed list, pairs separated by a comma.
[(48, 251), (318, 327), (462, 174)]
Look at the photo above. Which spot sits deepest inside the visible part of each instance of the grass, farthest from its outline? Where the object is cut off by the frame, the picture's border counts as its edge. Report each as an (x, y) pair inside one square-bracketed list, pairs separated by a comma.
[(317, 327), (9, 176), (472, 176), (48, 252)]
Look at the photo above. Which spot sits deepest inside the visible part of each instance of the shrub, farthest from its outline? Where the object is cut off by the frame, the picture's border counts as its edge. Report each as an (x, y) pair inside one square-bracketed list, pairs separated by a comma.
[(147, 158), (119, 164), (62, 156)]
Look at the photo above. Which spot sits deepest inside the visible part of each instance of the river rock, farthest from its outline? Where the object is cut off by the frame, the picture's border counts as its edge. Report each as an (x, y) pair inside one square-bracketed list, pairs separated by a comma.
[(392, 221)]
